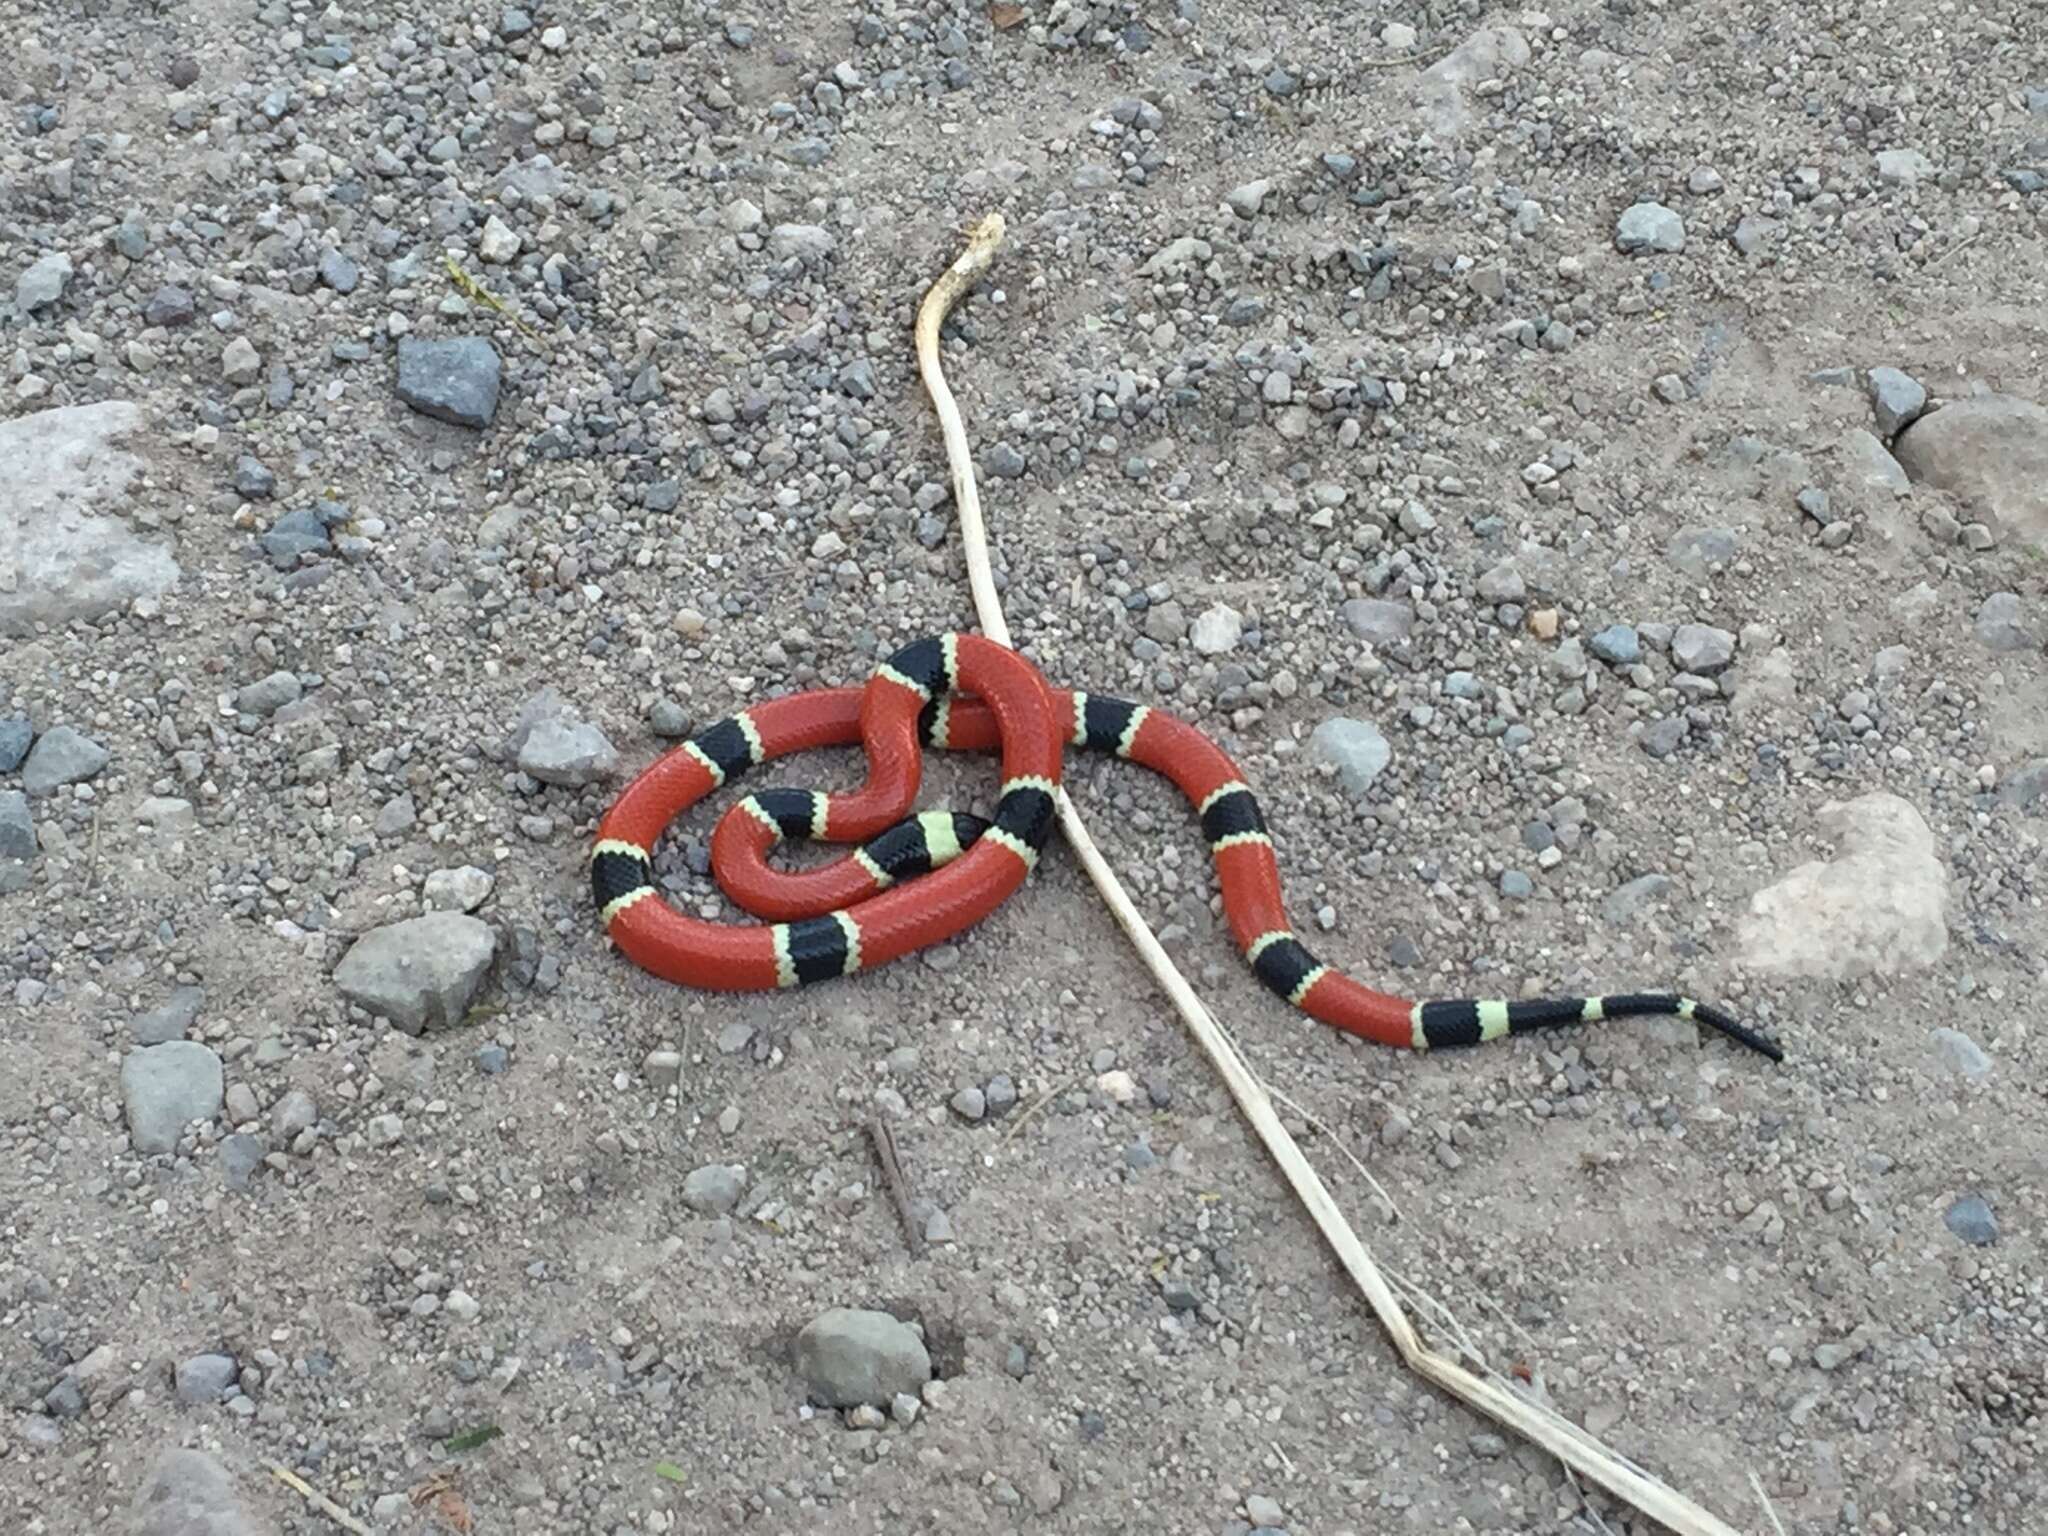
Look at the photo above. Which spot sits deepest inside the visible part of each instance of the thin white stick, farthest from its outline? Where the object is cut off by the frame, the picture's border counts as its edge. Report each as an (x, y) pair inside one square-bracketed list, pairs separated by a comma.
[(1554, 1433)]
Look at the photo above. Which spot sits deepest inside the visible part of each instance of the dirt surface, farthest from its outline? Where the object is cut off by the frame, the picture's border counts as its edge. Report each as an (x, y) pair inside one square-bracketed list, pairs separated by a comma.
[(1597, 543)]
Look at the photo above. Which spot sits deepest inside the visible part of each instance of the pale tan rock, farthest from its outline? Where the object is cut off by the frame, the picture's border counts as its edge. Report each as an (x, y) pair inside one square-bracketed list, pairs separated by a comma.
[(1879, 906), (1990, 451)]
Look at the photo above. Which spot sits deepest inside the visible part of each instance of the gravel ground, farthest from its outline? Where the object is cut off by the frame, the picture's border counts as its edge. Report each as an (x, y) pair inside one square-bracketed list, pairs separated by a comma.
[(1587, 466)]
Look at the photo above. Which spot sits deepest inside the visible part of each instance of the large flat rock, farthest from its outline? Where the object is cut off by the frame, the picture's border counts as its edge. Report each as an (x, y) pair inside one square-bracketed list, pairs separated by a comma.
[(62, 557), (1992, 452), (1878, 907)]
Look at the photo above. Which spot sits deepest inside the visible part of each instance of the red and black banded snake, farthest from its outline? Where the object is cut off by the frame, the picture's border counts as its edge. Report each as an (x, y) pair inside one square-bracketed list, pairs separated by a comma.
[(915, 880)]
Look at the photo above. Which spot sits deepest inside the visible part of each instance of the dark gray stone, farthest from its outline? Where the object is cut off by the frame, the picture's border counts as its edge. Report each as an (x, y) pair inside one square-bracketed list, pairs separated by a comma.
[(1649, 228), (169, 306), (849, 1356), (171, 1019), (1618, 645), (205, 1378), (454, 380), (166, 1087), (240, 1156), (61, 756), (1970, 1219), (1381, 620), (339, 272), (1896, 398), (17, 827), (301, 531), (714, 1189), (15, 735), (253, 478)]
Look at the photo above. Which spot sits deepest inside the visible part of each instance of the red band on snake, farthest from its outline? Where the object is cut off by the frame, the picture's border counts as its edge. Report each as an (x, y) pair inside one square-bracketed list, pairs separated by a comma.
[(917, 880)]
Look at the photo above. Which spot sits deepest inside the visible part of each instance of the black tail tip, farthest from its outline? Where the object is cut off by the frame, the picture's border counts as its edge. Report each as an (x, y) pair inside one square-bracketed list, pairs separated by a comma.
[(1715, 1018)]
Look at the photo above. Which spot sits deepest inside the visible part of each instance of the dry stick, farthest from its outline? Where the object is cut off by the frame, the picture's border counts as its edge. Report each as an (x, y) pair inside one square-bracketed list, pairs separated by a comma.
[(1554, 1433), (319, 1501), (897, 1183)]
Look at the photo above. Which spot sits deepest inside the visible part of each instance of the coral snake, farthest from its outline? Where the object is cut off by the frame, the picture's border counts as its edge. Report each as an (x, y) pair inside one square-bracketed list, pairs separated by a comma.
[(915, 880)]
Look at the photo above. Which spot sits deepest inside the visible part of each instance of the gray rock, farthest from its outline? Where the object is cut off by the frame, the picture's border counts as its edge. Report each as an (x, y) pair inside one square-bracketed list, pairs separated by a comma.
[(421, 972), (64, 470), (1357, 747), (169, 306), (1903, 165), (61, 756), (1265, 1514), (970, 1104), (714, 1189), (1503, 583), (1383, 621), (1618, 645), (339, 272), (571, 752), (301, 531), (66, 1400), (1004, 461), (1958, 1053), (1869, 466), (1897, 398), (1662, 737), (267, 695), (166, 1087), (1998, 624), (188, 1493), (293, 1115), (43, 281), (1244, 201), (454, 379), (15, 735), (849, 1356), (800, 242), (1990, 452), (1702, 649), (1649, 228), (1970, 1219), (240, 1156), (253, 478), (240, 362), (1752, 232), (461, 889), (17, 827), (172, 1019)]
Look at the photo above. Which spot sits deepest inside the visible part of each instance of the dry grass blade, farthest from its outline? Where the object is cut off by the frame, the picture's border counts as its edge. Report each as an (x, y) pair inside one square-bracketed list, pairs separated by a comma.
[(1563, 1439), (319, 1501)]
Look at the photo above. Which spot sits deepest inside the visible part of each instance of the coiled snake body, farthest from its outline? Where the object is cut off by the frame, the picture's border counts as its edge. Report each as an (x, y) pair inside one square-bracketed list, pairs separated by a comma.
[(916, 880)]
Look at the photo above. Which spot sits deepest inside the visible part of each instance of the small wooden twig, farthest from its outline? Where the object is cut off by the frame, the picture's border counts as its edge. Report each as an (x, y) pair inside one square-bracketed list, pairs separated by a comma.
[(1955, 250), (896, 1182), (319, 1501), (1044, 1099)]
